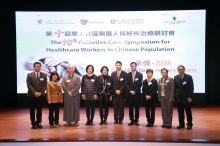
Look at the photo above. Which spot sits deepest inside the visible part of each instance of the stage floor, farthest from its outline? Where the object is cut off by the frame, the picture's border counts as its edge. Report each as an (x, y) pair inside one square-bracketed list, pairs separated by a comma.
[(15, 127)]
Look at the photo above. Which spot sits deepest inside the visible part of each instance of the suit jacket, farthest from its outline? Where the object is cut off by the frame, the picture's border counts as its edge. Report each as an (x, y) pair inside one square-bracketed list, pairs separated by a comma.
[(33, 85), (134, 86), (185, 89), (108, 90), (54, 92), (150, 90), (168, 88), (119, 84)]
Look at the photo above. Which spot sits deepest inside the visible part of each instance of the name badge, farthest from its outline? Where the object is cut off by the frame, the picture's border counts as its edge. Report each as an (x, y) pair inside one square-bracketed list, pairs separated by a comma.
[(121, 79), (67, 81), (136, 79), (42, 79), (92, 80), (109, 84), (184, 83), (149, 83), (167, 81)]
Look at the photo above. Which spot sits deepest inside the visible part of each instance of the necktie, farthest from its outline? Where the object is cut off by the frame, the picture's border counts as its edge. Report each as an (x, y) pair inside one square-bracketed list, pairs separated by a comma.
[(38, 79), (181, 79), (118, 75), (133, 77)]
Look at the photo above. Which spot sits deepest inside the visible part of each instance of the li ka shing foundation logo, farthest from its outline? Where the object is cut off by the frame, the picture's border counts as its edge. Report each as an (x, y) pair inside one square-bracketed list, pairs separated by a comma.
[(174, 21)]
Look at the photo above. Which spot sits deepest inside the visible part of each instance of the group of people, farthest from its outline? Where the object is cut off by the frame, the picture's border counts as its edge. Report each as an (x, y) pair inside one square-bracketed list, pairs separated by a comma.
[(105, 88)]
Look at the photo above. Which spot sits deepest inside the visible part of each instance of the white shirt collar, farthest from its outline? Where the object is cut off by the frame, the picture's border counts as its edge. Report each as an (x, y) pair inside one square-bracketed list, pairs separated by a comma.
[(119, 72), (37, 73), (182, 75)]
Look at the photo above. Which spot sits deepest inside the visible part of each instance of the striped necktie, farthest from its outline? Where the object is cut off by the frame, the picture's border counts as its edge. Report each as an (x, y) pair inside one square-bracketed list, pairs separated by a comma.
[(118, 75), (133, 76)]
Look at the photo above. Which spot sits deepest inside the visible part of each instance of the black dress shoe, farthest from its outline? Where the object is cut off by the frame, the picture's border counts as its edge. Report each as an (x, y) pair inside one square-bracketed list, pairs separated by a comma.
[(188, 127), (91, 122), (105, 122), (120, 122), (34, 126), (148, 125), (163, 126), (101, 123), (180, 126), (168, 127), (87, 123), (39, 125), (137, 123), (115, 122), (131, 123), (151, 125)]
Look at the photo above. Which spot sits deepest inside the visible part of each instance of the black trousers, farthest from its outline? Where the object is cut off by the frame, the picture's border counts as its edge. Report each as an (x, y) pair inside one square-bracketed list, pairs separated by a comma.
[(119, 104), (150, 111), (54, 107), (181, 106), (134, 101), (103, 105), (90, 109), (36, 103)]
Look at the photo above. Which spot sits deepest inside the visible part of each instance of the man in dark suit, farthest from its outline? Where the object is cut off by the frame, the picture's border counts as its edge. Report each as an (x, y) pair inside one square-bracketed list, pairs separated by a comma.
[(119, 87), (183, 93), (36, 83), (133, 84)]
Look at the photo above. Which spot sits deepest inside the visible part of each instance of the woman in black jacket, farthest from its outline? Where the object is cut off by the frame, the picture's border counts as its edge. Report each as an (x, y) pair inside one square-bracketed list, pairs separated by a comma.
[(105, 83), (150, 87)]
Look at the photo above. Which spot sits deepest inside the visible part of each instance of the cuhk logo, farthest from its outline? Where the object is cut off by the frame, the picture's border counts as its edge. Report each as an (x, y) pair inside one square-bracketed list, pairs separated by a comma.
[(83, 22), (39, 21), (113, 21)]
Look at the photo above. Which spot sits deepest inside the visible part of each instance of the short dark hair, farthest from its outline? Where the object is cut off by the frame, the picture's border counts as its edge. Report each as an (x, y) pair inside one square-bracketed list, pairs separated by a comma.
[(103, 68), (118, 62), (37, 63), (164, 69), (133, 63), (90, 65), (54, 73), (181, 66), (150, 70)]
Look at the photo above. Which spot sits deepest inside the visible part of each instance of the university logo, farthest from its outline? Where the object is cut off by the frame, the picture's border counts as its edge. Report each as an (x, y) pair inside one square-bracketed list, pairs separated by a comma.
[(113, 21), (39, 21), (83, 22)]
